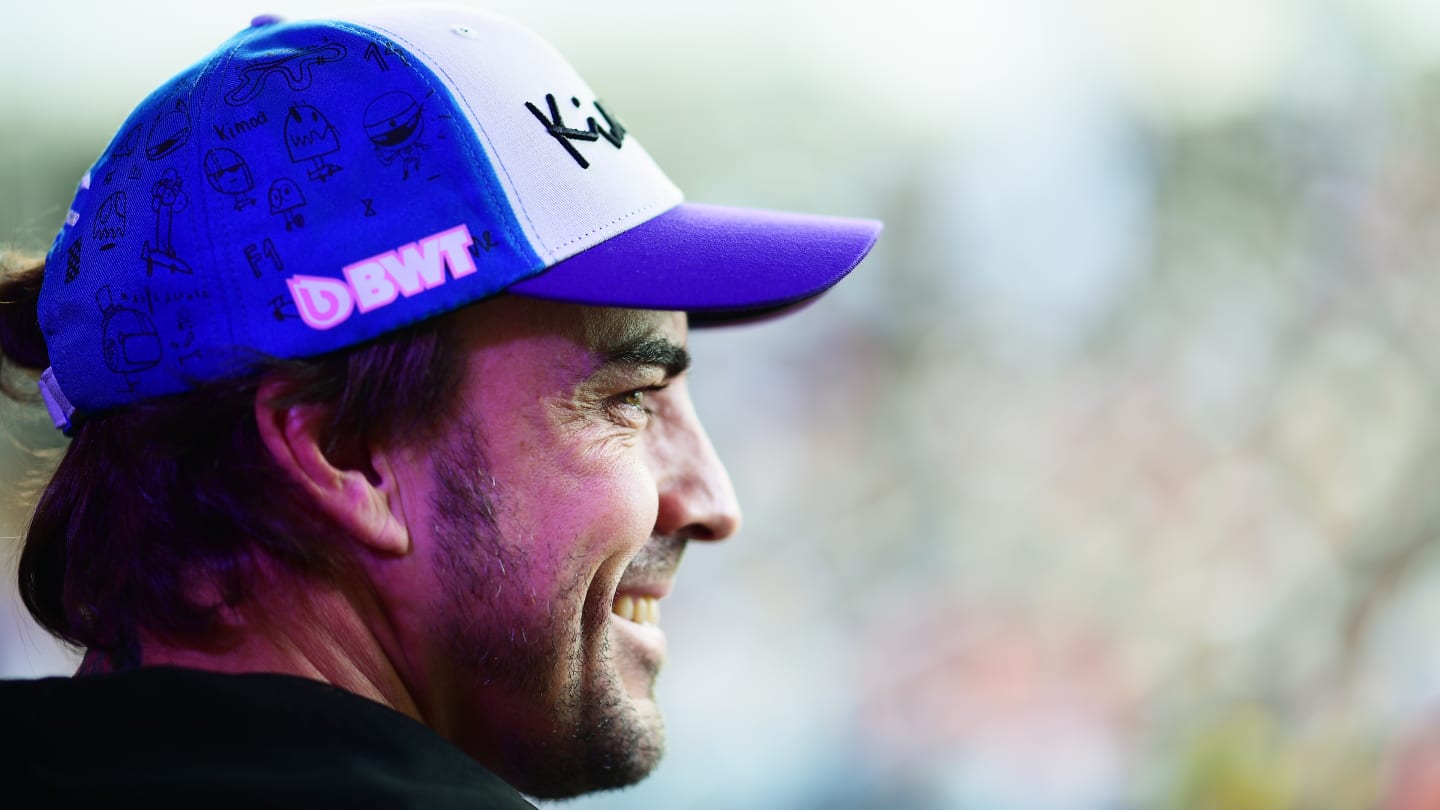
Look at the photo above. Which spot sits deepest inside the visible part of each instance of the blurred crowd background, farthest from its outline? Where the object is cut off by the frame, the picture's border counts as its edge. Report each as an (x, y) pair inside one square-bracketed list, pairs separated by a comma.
[(1107, 482)]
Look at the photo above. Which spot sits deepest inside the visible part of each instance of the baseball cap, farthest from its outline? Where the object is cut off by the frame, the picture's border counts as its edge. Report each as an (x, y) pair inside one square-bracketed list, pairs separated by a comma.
[(312, 185)]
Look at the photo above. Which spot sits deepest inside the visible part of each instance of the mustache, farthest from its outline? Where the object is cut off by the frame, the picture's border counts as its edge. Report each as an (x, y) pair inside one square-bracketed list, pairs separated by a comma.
[(656, 561)]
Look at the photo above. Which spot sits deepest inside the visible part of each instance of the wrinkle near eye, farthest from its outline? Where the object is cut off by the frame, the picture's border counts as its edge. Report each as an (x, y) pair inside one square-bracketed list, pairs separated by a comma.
[(589, 420)]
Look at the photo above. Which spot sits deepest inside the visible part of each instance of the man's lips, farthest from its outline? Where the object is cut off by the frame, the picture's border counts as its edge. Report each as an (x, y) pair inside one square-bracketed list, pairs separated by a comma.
[(639, 602), (647, 580)]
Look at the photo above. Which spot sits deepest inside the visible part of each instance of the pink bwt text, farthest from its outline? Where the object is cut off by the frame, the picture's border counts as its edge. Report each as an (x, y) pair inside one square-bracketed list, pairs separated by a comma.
[(410, 269)]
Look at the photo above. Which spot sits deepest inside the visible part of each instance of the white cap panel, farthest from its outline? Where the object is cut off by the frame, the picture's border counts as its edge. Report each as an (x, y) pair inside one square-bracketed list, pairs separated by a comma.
[(573, 175)]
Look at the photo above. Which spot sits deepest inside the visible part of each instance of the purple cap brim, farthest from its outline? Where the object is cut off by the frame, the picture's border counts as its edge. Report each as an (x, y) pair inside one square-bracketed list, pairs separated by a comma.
[(722, 264)]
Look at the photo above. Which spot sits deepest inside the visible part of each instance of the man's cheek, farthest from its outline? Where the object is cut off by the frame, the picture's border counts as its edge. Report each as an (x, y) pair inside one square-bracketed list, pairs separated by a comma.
[(622, 507), (584, 523)]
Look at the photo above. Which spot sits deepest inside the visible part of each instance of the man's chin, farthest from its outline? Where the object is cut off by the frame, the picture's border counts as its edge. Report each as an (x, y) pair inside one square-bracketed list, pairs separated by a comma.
[(616, 746)]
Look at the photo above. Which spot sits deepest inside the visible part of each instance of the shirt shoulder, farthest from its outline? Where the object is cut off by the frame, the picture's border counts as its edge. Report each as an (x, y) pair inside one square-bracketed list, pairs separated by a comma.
[(170, 737)]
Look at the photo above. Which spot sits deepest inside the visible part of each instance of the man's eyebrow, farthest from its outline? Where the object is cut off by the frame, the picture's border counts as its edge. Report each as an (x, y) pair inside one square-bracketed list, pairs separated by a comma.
[(647, 351)]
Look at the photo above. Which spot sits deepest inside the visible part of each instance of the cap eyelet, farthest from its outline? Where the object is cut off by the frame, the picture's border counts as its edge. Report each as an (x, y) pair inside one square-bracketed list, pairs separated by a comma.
[(463, 30)]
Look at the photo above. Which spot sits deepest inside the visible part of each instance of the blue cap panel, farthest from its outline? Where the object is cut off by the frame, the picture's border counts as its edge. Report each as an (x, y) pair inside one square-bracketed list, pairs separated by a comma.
[(306, 188)]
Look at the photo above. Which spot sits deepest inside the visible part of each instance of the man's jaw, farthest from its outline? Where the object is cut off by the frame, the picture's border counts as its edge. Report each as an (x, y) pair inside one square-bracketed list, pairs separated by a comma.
[(618, 736)]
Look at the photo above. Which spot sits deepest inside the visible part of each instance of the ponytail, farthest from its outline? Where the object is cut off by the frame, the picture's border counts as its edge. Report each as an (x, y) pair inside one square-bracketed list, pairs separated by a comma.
[(22, 345)]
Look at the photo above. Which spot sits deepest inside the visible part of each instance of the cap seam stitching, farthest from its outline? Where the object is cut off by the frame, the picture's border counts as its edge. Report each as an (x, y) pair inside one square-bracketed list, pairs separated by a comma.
[(434, 68), (218, 77), (606, 226)]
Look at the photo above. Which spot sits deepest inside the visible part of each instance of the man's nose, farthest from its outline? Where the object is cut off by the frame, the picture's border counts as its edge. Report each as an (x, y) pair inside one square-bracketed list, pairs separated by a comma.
[(697, 500)]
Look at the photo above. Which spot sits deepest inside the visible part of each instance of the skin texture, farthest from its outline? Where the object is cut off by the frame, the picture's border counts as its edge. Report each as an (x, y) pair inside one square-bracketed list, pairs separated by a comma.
[(575, 469)]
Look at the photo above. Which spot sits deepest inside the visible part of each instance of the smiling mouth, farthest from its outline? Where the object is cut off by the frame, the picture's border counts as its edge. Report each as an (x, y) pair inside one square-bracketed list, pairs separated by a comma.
[(638, 609)]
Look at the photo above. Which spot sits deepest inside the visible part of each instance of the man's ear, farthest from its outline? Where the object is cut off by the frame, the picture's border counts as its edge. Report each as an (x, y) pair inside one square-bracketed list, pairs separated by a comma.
[(361, 497)]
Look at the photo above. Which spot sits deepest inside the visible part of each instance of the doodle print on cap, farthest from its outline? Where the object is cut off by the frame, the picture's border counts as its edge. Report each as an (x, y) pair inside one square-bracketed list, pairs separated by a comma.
[(130, 342), (285, 197), (72, 262), (282, 308), (377, 51), (485, 243), (166, 197), (296, 69), (185, 324), (310, 136), (393, 122), (109, 225), (124, 149), (169, 132), (233, 130), (228, 173), (261, 255), (128, 144)]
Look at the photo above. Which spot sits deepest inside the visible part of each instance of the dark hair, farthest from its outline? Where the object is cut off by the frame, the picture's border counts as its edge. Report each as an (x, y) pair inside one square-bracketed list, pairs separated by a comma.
[(152, 499)]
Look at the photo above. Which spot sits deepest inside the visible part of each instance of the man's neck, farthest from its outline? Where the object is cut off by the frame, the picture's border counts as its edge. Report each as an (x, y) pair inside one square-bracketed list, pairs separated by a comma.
[(323, 636)]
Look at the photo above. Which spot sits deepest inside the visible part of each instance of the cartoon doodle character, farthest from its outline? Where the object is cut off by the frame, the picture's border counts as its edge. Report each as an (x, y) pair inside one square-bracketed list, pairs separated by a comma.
[(285, 197), (297, 70), (166, 197), (130, 342), (109, 224), (228, 173), (128, 144), (393, 123), (310, 136), (262, 254), (125, 148), (169, 132), (185, 324)]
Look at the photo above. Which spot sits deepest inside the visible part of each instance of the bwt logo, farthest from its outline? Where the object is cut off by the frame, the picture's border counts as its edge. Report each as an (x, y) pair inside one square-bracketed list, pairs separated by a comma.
[(374, 282)]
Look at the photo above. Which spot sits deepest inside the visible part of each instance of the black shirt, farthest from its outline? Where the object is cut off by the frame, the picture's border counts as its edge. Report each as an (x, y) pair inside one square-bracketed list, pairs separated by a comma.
[(161, 737)]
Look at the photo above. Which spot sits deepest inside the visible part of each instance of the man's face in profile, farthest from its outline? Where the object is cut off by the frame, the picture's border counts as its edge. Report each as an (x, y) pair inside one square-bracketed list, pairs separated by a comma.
[(560, 497)]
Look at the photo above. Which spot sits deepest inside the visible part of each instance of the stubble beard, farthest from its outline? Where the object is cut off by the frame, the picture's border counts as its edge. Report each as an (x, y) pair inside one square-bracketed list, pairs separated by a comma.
[(589, 735)]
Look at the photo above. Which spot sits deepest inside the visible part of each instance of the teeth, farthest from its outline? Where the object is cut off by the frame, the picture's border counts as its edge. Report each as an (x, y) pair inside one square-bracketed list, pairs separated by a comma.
[(638, 609)]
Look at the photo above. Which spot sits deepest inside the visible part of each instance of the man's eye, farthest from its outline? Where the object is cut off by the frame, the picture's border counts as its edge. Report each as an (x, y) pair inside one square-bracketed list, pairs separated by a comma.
[(634, 406)]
